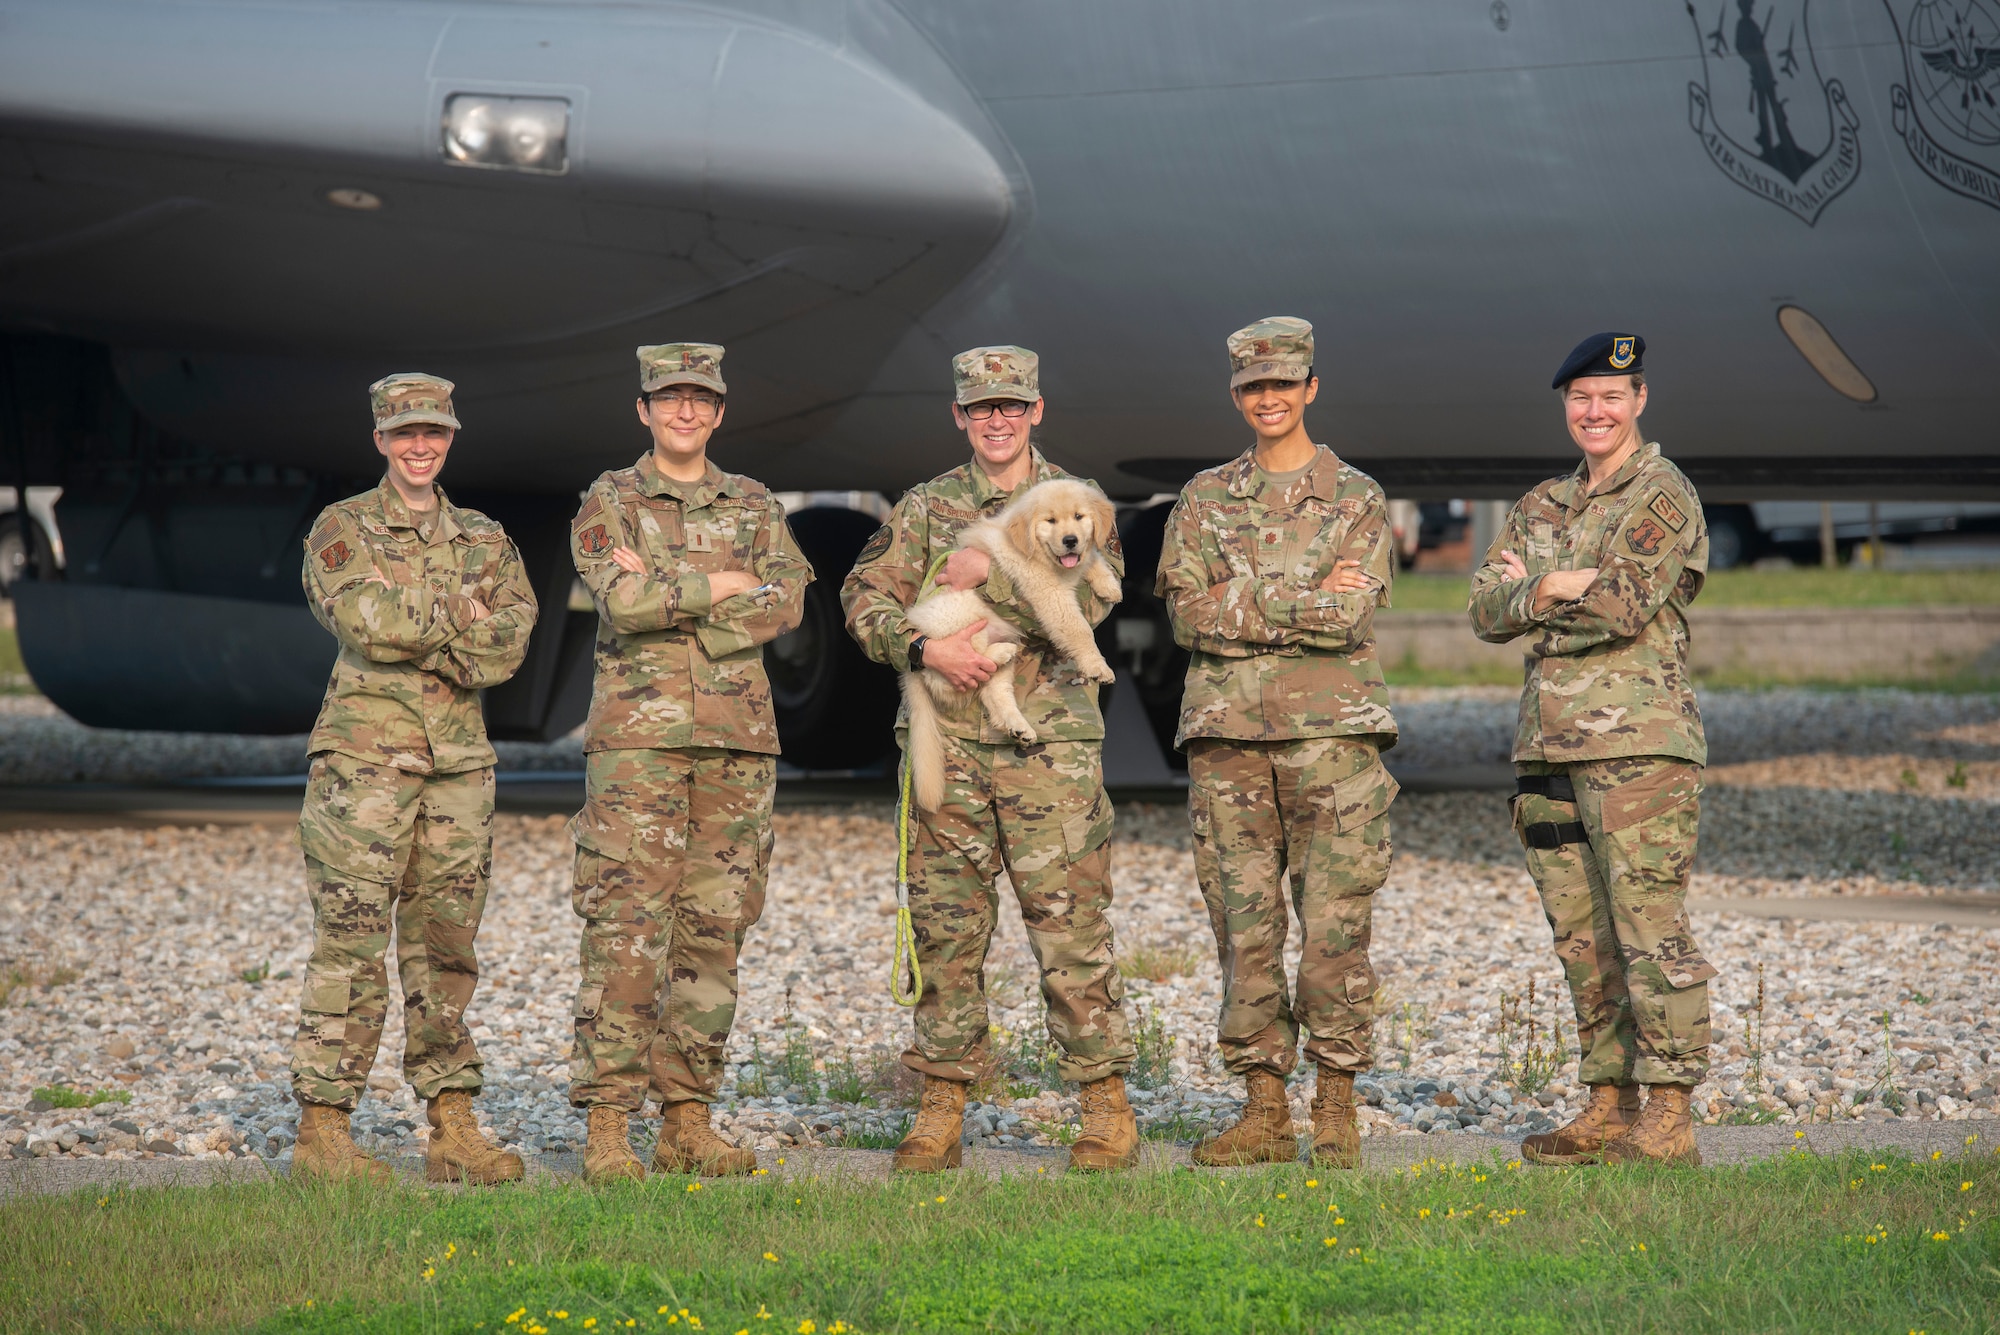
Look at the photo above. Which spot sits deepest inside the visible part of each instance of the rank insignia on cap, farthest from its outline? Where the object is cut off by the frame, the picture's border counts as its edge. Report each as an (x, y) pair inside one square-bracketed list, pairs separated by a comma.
[(1623, 351)]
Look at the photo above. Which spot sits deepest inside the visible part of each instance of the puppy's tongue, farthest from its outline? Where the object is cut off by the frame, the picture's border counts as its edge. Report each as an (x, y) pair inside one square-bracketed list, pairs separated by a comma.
[(1070, 559)]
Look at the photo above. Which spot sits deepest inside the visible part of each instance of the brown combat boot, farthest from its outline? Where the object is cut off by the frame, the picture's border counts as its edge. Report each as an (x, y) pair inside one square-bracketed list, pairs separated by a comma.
[(1336, 1130), (688, 1144), (1664, 1133), (458, 1152), (1110, 1138), (607, 1154), (1612, 1109), (932, 1144), (1265, 1133), (326, 1151)]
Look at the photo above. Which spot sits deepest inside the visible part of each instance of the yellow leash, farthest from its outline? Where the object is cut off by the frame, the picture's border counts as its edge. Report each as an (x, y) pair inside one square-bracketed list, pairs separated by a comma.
[(903, 967), (906, 976)]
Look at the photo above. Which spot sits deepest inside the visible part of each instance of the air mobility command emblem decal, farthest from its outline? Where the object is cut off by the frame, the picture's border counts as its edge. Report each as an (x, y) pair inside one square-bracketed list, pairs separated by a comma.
[(1947, 110), (1669, 513)]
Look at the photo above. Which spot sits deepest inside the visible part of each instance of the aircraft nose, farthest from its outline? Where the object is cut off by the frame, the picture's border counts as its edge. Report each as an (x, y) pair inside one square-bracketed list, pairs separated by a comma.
[(772, 115)]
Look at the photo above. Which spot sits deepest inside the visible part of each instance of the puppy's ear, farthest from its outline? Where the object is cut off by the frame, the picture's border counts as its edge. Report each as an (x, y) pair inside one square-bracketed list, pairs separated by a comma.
[(1103, 519), (1020, 528)]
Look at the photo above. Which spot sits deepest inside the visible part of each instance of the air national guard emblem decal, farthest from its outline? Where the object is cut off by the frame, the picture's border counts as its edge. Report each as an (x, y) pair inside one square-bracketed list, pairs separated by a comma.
[(1948, 112), (335, 555), (1622, 353), (594, 541), (1767, 119)]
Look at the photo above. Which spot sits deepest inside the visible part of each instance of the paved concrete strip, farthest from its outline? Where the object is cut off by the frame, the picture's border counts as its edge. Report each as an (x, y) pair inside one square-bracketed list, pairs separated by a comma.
[(1719, 1145), (1956, 910)]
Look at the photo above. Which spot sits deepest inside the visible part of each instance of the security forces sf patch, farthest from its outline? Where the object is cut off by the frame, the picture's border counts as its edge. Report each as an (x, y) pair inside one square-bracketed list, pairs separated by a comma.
[(1669, 513), (1645, 537), (595, 540), (875, 546)]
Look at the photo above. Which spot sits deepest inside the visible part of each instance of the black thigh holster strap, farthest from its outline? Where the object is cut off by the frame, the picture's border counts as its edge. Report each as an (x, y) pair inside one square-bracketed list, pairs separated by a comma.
[(1548, 834), (1555, 786)]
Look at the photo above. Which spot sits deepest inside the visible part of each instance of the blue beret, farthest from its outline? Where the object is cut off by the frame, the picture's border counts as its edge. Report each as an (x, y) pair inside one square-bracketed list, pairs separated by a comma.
[(1602, 354)]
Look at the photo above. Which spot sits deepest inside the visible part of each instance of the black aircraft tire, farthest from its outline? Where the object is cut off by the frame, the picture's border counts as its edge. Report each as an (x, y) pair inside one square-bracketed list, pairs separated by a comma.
[(836, 710)]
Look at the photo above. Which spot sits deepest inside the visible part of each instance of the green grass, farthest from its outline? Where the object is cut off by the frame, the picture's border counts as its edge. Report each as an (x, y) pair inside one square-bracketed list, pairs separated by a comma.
[(1802, 586), (67, 1096), (1807, 1244)]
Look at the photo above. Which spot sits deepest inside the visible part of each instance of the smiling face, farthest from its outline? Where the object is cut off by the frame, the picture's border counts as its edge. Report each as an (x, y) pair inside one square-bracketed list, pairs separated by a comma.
[(1275, 409), (1603, 413), (416, 455), (681, 418), (998, 440)]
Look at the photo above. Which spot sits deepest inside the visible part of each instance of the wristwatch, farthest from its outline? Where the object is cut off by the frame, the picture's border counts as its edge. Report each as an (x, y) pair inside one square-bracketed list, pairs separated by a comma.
[(917, 652)]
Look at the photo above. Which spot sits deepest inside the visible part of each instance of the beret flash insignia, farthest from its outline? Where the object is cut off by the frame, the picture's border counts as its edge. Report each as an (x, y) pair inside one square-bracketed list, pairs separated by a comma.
[(1669, 513), (1623, 351), (595, 540), (1645, 537)]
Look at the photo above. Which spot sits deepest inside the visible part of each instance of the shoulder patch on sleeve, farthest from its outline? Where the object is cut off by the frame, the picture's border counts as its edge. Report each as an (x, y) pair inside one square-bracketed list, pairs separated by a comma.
[(1645, 537), (1670, 514), (334, 543), (875, 546), (593, 505)]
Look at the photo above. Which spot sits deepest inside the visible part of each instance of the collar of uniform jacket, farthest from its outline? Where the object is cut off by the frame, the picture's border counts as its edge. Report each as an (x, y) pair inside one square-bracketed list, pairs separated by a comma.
[(1321, 478), (1575, 491), (985, 494), (398, 515), (714, 482)]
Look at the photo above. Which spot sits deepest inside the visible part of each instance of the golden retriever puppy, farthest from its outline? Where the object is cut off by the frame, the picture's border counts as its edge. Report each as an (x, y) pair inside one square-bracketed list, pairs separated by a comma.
[(1045, 541)]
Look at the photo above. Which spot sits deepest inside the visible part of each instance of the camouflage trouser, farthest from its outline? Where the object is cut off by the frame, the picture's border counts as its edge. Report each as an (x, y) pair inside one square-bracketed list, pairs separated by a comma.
[(1040, 814), (1618, 908), (1313, 812), (671, 853), (380, 841)]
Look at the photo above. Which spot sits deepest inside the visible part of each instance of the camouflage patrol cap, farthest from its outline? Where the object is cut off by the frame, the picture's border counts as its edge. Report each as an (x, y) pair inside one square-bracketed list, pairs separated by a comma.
[(409, 397), (663, 364), (1280, 348), (1004, 372)]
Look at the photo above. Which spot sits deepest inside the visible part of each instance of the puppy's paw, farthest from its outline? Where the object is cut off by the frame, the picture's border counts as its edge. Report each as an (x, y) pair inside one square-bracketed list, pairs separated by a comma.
[(1098, 671), (1023, 735)]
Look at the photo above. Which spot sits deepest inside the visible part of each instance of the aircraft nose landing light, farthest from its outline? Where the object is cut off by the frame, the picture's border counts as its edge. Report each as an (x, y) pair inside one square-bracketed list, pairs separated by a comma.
[(526, 134)]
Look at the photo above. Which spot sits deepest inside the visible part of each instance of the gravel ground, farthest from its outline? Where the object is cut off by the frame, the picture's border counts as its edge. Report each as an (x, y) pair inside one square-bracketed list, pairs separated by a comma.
[(131, 953)]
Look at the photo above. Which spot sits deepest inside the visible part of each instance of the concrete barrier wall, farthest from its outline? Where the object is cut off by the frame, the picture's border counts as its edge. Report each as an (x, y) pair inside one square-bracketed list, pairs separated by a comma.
[(1781, 643)]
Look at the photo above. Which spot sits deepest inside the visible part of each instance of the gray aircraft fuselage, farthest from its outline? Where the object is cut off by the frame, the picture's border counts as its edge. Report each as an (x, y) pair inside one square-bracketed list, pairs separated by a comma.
[(845, 192)]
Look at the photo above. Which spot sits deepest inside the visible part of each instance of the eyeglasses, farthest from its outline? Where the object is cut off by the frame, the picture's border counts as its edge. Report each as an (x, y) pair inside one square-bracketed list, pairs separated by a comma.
[(704, 405), (979, 412)]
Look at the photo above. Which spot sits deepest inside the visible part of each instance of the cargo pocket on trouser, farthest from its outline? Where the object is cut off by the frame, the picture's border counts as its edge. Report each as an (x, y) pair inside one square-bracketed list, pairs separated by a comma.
[(1085, 831), (320, 1046), (603, 841), (1360, 812)]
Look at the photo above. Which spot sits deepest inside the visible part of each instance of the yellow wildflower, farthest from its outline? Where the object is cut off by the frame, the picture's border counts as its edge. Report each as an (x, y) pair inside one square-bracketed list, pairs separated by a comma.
[(1312, 1182), (1328, 1242), (590, 1323)]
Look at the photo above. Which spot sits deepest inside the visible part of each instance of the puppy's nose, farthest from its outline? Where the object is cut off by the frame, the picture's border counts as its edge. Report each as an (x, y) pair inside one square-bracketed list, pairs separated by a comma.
[(1069, 541)]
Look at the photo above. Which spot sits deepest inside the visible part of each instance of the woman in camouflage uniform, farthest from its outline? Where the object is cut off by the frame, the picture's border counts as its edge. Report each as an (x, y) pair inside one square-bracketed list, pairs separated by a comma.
[(430, 605), (1594, 571)]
